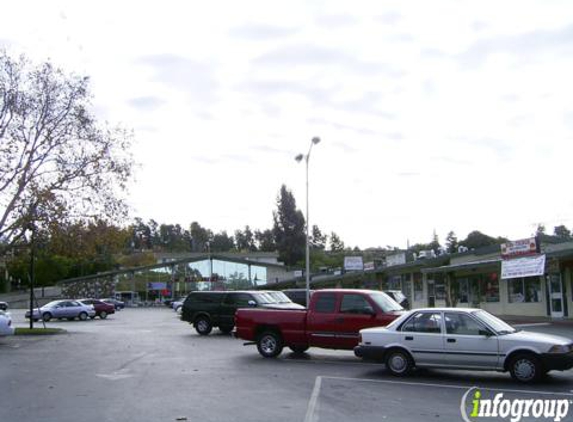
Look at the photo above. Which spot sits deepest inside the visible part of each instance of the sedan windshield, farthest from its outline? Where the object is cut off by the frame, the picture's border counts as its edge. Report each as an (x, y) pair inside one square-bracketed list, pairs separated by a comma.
[(499, 326), (386, 303)]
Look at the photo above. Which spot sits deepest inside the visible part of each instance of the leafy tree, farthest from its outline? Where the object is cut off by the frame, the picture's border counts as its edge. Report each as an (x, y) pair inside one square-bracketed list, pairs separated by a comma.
[(245, 240), (452, 242), (336, 244), (289, 228), (562, 232), (222, 242), (317, 239), (265, 240), (56, 161), (477, 239), (199, 237)]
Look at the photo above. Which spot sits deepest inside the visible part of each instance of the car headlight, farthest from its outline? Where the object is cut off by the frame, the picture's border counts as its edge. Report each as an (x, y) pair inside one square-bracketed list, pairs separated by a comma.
[(561, 349)]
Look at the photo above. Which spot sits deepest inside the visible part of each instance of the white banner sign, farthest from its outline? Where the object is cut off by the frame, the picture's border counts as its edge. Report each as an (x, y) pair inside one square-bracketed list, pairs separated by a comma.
[(397, 259), (523, 267), (353, 263)]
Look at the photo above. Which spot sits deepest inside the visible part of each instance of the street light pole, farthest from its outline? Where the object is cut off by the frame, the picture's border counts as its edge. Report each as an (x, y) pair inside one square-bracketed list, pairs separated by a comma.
[(299, 158)]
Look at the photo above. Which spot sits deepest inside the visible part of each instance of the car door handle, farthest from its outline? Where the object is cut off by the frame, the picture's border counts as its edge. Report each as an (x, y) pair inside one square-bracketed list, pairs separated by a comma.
[(409, 338), (451, 340)]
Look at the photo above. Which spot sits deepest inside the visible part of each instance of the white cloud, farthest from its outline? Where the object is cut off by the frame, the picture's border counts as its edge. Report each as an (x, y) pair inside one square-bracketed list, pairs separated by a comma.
[(441, 115)]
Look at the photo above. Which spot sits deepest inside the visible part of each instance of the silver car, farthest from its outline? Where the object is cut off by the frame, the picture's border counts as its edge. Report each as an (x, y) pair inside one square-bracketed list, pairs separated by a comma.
[(6, 328), (464, 339), (68, 309)]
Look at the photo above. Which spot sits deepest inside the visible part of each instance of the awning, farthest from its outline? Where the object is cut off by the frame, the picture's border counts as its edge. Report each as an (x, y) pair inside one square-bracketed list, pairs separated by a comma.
[(462, 266)]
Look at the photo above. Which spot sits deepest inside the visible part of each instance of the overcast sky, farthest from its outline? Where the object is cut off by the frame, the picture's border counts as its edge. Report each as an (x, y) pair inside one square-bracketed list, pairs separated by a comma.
[(433, 115)]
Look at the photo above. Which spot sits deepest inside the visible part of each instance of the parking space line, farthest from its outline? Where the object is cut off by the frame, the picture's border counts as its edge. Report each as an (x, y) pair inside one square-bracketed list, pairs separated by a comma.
[(455, 386), (313, 403)]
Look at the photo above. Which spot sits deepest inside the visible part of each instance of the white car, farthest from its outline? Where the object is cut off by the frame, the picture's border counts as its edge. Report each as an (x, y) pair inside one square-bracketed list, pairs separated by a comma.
[(463, 339), (6, 328)]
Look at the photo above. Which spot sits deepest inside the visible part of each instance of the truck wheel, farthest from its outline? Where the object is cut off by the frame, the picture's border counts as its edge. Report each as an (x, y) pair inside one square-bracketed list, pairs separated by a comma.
[(399, 362), (526, 368), (270, 344), (203, 326), (299, 349)]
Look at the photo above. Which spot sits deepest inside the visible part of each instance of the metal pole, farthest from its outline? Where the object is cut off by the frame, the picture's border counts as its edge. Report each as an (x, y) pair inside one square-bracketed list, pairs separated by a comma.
[(307, 243), (32, 280)]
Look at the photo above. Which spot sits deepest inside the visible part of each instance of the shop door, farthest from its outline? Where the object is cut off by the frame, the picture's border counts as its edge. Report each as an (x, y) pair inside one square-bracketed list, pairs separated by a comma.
[(431, 294), (555, 289)]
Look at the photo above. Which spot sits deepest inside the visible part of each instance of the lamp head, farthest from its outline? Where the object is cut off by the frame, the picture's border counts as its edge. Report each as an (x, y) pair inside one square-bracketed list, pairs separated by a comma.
[(299, 157), (315, 140)]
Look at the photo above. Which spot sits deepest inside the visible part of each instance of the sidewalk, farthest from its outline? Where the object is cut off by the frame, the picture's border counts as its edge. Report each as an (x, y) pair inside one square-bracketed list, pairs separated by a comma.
[(521, 319)]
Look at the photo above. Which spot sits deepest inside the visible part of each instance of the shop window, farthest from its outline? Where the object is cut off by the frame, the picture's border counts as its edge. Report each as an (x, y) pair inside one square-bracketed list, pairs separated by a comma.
[(524, 290), (492, 288), (440, 287), (394, 283), (418, 287)]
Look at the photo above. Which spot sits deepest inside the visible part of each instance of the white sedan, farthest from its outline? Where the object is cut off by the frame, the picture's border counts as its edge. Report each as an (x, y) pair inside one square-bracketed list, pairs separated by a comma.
[(463, 339), (6, 328)]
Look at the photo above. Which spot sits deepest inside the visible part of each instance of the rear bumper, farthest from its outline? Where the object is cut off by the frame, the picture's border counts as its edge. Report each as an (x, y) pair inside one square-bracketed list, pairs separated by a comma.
[(559, 362), (370, 352)]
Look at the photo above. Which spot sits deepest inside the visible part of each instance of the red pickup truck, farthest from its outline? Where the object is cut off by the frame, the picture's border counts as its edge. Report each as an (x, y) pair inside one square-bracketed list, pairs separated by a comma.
[(333, 321)]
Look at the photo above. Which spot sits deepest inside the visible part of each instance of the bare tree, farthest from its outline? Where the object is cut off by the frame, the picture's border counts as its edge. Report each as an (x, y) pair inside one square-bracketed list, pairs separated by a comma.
[(56, 161)]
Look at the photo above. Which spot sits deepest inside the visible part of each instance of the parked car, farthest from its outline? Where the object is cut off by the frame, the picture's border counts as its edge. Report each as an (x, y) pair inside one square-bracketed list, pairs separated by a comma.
[(399, 297), (464, 339), (6, 328), (177, 305), (297, 295), (118, 304), (69, 309), (206, 310), (3, 306), (102, 309), (333, 320)]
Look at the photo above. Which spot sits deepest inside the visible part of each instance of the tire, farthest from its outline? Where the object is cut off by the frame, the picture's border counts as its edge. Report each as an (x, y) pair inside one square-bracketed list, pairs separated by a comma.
[(46, 316), (526, 367), (103, 314), (270, 344), (83, 316), (299, 349), (399, 363), (203, 326), (226, 329)]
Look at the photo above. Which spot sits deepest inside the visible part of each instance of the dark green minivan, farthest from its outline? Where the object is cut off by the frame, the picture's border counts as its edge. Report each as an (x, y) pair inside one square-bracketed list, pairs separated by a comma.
[(206, 310)]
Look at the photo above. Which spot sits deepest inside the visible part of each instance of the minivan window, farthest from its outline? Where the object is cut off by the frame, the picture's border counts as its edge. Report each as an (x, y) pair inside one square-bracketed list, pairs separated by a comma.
[(239, 299)]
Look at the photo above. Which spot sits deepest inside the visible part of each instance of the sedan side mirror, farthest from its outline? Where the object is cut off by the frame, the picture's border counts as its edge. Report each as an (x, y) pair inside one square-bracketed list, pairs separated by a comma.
[(252, 304), (486, 333)]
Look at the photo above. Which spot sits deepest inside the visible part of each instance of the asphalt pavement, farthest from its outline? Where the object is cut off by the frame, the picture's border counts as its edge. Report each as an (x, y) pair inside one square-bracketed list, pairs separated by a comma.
[(147, 365)]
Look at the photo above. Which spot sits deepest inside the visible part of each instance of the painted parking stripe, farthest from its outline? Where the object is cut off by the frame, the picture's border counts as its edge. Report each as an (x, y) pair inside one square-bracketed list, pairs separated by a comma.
[(313, 405)]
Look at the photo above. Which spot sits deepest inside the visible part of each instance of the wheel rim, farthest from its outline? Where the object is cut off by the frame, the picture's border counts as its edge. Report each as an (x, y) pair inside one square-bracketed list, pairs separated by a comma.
[(103, 314), (83, 316), (202, 325), (46, 317), (524, 369), (398, 362), (268, 344)]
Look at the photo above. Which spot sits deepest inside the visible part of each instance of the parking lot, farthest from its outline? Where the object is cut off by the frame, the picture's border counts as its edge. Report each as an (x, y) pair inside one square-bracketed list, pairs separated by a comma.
[(147, 365)]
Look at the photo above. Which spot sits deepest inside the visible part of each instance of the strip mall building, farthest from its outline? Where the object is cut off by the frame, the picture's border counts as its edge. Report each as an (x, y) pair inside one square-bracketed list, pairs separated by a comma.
[(527, 278)]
